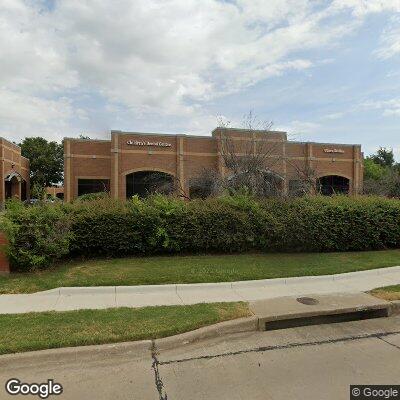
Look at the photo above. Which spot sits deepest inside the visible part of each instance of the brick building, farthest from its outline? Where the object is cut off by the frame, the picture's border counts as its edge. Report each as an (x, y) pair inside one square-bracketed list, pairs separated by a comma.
[(55, 191), (14, 173), (118, 165)]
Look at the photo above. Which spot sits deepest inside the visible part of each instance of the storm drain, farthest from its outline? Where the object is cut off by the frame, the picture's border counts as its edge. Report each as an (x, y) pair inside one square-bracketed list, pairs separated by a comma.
[(324, 319)]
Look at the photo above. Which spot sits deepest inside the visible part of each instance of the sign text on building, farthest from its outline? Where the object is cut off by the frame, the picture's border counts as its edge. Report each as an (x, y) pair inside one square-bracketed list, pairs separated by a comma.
[(334, 151), (147, 143)]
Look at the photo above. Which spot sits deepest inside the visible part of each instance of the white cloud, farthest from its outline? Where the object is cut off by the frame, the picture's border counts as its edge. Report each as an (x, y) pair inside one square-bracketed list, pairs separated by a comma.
[(334, 116), (301, 130), (390, 107), (163, 58), (361, 8), (20, 112), (390, 40)]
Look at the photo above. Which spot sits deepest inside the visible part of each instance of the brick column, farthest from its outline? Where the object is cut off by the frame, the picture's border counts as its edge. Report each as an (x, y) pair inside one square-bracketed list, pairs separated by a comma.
[(221, 162), (114, 181), (284, 169), (4, 265), (180, 171), (309, 154), (356, 170), (67, 171), (310, 161)]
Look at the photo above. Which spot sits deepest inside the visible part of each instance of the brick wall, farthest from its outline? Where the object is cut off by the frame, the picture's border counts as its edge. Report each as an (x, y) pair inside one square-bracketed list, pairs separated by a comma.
[(186, 156)]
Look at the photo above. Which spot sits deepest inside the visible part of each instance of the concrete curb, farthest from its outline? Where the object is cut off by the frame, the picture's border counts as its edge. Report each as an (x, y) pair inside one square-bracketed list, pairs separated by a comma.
[(131, 349), (138, 348), (395, 307), (239, 325)]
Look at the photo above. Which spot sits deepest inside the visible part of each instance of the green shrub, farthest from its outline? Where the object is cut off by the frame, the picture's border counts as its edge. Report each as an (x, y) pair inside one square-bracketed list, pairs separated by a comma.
[(163, 225), (93, 196), (37, 236), (338, 223), (111, 231)]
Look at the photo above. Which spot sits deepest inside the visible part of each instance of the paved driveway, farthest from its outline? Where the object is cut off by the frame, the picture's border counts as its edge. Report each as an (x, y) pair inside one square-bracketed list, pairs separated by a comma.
[(315, 362)]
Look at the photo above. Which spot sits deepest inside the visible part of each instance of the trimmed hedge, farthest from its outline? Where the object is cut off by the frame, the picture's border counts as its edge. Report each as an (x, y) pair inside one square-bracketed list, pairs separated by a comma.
[(107, 227), (37, 235)]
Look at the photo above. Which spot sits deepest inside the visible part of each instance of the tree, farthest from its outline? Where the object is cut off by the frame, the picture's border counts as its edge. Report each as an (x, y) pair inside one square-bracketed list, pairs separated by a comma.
[(373, 170), (382, 174), (46, 160), (205, 184), (250, 161), (383, 157), (304, 180)]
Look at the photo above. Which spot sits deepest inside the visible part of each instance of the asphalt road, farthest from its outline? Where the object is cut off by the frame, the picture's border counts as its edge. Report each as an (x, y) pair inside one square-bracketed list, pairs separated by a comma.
[(316, 362)]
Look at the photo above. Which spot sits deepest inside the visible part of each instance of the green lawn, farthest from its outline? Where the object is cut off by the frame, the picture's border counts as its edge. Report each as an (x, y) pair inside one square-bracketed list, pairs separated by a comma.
[(46, 330), (191, 269), (387, 292)]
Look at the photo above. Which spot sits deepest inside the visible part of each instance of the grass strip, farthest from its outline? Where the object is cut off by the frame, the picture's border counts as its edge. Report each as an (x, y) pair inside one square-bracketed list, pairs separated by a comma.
[(46, 330), (195, 269)]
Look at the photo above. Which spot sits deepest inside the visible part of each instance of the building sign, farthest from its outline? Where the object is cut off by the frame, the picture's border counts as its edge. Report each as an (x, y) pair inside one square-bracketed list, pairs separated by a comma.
[(334, 151), (147, 143)]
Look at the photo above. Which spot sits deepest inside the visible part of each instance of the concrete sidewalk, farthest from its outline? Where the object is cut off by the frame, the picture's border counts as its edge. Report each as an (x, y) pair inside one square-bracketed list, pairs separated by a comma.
[(74, 298)]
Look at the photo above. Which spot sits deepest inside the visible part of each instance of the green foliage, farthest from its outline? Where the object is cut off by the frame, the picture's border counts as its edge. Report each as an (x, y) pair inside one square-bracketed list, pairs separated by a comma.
[(382, 174), (46, 160), (37, 236), (93, 196), (37, 191), (44, 330), (372, 170), (164, 225), (383, 157), (14, 205)]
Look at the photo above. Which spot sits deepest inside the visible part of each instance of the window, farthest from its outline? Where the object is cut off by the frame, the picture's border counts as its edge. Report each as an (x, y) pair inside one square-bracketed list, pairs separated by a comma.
[(333, 184), (86, 186), (143, 183)]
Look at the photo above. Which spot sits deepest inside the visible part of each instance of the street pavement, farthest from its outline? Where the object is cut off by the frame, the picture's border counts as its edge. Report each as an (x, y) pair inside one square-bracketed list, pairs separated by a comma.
[(313, 363), (64, 299)]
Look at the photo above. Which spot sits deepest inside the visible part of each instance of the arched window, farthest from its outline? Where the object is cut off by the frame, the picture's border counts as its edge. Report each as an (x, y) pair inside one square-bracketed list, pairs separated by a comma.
[(143, 183), (333, 184)]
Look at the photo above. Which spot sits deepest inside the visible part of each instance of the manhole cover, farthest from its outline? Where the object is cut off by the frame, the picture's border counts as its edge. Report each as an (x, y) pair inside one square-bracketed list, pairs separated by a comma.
[(309, 301)]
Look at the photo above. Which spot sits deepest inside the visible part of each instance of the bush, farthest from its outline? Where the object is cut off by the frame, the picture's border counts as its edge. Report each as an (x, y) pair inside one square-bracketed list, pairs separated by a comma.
[(163, 225), (339, 224), (37, 236), (93, 196)]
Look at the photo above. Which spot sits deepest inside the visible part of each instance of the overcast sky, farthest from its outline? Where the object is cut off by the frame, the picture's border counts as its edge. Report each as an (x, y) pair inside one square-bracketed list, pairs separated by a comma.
[(324, 71)]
